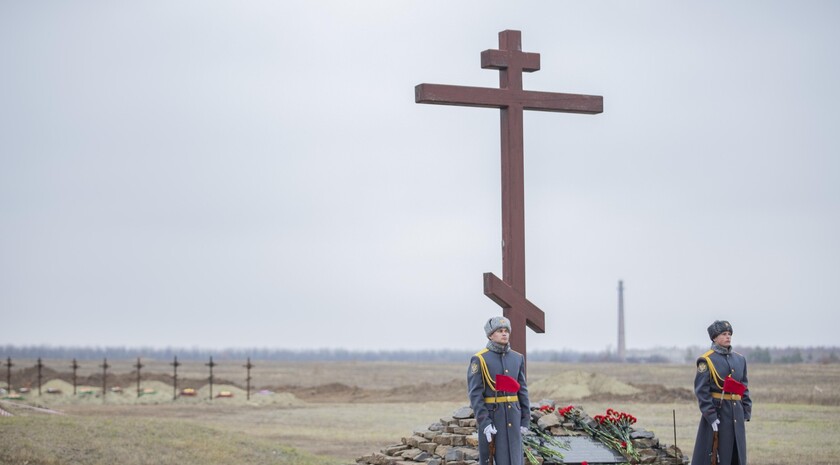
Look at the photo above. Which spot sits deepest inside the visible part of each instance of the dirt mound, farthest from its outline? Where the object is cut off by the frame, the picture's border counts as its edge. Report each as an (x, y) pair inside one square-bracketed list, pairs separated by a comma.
[(337, 392), (228, 393), (579, 385), (28, 377), (569, 386), (323, 391), (651, 393), (157, 389), (576, 385), (57, 392), (454, 390)]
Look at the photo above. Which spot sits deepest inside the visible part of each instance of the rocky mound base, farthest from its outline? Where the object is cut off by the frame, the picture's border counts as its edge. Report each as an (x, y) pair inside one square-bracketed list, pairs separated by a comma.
[(454, 441)]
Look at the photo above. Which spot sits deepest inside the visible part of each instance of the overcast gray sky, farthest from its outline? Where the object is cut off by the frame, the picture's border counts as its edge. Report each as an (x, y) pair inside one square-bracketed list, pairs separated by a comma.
[(257, 174)]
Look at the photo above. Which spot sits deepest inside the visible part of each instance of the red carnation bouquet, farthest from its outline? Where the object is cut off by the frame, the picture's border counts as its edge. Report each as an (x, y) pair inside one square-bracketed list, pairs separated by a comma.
[(618, 424), (612, 429)]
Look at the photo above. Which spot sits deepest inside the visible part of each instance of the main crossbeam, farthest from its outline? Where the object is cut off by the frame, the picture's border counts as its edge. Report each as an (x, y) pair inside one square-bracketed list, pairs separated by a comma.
[(487, 97)]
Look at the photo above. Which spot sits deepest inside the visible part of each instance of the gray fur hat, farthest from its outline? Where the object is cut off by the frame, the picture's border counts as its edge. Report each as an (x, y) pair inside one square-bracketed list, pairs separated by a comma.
[(495, 323), (718, 327)]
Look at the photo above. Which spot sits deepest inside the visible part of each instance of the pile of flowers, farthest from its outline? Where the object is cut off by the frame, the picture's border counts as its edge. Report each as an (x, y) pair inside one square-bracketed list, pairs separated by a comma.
[(618, 424), (612, 429)]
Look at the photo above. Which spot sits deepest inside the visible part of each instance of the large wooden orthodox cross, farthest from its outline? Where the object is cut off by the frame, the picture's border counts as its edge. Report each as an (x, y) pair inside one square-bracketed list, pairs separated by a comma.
[(512, 100)]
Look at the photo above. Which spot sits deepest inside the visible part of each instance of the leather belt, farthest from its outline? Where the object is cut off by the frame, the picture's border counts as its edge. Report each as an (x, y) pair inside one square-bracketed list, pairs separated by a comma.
[(498, 400), (718, 395)]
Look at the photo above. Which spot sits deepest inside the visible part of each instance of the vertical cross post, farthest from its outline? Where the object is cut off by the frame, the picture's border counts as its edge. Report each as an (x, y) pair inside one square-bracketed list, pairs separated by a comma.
[(138, 365), (175, 364), (75, 367), (511, 100), (211, 365), (9, 366), (105, 367), (248, 367), (40, 366)]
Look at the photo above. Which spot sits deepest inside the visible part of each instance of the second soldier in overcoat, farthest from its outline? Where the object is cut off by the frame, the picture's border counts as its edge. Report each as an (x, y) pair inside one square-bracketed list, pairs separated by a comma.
[(724, 412), (500, 416)]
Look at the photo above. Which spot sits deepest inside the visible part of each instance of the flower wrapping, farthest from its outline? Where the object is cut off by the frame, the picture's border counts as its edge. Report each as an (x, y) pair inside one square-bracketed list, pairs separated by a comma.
[(733, 387), (505, 383)]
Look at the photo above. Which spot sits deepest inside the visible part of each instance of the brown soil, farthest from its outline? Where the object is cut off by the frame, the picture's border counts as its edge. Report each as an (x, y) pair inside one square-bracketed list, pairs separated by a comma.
[(600, 388), (342, 393), (650, 393), (28, 377)]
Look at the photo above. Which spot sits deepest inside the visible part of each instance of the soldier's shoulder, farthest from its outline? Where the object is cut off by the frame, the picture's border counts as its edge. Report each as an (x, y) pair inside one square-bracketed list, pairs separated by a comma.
[(480, 353), (704, 356)]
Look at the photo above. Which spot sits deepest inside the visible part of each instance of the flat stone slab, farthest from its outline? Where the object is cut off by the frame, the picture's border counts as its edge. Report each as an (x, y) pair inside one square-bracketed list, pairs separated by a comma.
[(584, 448)]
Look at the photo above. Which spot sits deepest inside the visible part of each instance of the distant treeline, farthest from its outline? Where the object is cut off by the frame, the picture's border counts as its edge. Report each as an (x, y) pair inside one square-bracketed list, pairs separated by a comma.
[(658, 355)]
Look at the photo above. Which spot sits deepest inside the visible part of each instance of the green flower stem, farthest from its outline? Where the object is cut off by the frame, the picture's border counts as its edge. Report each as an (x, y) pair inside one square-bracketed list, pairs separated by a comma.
[(537, 443), (531, 457)]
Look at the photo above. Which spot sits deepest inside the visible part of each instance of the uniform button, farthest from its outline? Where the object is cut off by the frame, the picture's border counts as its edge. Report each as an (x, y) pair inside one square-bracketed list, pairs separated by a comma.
[(510, 424), (736, 421), (507, 371), (508, 406)]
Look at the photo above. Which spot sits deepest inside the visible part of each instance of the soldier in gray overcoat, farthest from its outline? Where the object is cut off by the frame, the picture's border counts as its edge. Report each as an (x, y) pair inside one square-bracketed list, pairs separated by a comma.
[(724, 412), (501, 416)]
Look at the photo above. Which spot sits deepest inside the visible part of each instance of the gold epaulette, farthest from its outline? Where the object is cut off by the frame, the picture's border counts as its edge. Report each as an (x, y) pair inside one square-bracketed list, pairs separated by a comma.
[(713, 373), (485, 372)]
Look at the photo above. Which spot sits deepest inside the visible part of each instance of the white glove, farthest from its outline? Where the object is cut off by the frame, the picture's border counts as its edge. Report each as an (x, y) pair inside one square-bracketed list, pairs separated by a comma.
[(489, 431), (524, 430), (715, 425)]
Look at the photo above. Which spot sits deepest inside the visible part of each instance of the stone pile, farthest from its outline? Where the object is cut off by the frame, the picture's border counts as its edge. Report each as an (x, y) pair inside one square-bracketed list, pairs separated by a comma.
[(454, 441), (451, 441)]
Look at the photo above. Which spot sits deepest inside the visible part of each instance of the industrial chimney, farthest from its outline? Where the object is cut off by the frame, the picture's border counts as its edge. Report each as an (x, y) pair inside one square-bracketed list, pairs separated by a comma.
[(622, 355)]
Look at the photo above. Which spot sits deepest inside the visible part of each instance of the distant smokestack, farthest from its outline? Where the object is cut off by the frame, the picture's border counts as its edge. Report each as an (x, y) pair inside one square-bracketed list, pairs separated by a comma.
[(622, 355)]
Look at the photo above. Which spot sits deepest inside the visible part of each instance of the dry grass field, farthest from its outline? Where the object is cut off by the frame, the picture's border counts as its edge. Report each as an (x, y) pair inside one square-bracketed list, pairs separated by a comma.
[(333, 412)]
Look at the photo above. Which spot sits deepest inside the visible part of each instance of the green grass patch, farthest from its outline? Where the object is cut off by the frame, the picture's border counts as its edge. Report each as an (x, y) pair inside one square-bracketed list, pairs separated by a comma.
[(57, 439)]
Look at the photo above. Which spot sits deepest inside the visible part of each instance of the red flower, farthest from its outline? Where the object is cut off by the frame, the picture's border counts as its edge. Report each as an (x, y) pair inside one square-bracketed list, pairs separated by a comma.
[(584, 463), (565, 410), (624, 444)]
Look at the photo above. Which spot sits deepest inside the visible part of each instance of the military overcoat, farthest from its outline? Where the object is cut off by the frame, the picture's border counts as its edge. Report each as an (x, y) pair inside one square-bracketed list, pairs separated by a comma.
[(506, 410), (712, 368)]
